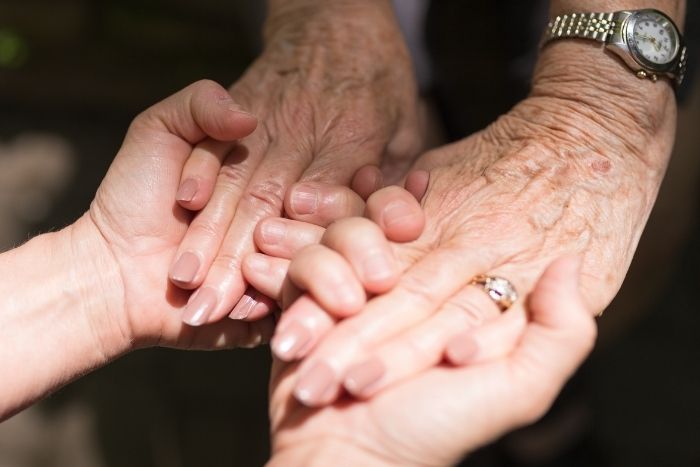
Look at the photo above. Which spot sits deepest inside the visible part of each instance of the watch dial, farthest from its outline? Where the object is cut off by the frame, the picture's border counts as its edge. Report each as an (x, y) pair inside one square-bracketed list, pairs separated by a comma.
[(655, 38)]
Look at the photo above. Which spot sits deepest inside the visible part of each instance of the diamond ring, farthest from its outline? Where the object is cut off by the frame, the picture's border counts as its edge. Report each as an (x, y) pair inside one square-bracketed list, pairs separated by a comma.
[(499, 289)]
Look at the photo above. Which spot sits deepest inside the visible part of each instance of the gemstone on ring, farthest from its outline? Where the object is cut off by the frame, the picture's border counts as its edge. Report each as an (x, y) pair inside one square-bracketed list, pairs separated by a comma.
[(499, 289)]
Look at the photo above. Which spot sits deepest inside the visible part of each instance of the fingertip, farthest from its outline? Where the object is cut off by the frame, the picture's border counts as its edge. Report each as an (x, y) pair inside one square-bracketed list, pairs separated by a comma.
[(367, 180), (417, 183), (398, 213)]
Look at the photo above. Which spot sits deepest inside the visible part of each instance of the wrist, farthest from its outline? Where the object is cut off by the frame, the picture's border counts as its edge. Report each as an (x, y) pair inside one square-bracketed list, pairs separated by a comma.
[(57, 317), (101, 287), (604, 102)]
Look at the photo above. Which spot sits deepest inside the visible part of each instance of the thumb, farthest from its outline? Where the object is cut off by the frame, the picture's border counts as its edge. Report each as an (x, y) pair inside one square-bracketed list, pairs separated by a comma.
[(560, 335), (203, 109)]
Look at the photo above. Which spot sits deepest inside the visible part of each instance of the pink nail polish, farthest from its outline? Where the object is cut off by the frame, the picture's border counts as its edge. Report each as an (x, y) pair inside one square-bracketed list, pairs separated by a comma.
[(461, 349), (243, 307), (304, 200), (317, 385), (288, 344), (185, 268), (363, 376), (187, 190), (273, 231), (200, 307)]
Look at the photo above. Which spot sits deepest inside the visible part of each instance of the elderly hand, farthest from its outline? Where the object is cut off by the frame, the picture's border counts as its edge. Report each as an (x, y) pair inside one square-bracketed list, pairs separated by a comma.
[(444, 413), (334, 90), (570, 169)]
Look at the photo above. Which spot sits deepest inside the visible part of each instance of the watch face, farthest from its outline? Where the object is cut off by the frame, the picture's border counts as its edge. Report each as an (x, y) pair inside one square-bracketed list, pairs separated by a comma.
[(654, 38)]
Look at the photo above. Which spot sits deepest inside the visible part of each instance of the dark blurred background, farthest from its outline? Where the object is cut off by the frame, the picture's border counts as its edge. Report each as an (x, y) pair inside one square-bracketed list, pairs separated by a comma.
[(73, 73)]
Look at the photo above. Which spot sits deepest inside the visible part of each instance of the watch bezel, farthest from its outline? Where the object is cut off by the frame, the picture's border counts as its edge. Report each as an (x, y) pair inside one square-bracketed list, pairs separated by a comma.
[(636, 53)]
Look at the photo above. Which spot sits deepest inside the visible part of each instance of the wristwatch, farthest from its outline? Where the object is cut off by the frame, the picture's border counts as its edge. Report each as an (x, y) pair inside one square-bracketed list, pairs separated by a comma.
[(648, 41)]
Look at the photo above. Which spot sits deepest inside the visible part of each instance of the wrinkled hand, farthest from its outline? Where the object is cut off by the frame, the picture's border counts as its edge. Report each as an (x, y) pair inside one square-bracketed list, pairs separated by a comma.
[(558, 174), (438, 416), (334, 91), (135, 225)]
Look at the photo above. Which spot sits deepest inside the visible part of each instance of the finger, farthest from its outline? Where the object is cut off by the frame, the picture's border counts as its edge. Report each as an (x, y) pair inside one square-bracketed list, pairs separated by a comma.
[(417, 183), (397, 212), (261, 198), (300, 328), (367, 180), (266, 274), (206, 232), (328, 277), (223, 335), (322, 203), (283, 238), (560, 335), (420, 293), (200, 110), (200, 174), (493, 340), (252, 306), (363, 245), (422, 346)]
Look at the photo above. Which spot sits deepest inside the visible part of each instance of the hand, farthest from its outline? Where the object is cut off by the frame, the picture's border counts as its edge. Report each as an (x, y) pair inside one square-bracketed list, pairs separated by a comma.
[(444, 413), (334, 91), (556, 175), (135, 225), (322, 272)]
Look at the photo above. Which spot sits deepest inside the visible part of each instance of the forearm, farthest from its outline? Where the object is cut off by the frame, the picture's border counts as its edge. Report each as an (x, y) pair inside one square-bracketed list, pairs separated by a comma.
[(55, 319)]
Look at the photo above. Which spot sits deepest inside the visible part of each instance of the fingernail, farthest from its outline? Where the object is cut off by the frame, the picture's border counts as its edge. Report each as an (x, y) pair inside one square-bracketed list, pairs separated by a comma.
[(243, 308), (286, 345), (397, 212), (377, 266), (200, 307), (304, 200), (461, 349), (361, 377), (185, 268), (315, 385), (187, 191), (258, 262), (273, 231)]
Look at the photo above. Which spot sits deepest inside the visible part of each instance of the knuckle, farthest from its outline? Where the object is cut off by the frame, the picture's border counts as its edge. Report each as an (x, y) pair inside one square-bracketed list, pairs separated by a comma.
[(226, 261), (265, 198), (205, 228), (231, 178)]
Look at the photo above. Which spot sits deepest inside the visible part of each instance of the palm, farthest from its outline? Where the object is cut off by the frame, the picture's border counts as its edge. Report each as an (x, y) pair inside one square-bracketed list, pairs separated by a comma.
[(136, 214), (421, 421)]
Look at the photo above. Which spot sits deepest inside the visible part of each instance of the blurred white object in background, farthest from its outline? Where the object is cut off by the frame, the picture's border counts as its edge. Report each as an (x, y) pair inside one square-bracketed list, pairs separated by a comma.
[(34, 169)]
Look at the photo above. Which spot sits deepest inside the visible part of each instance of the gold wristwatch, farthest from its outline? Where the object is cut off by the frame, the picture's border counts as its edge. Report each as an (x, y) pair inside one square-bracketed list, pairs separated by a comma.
[(648, 41)]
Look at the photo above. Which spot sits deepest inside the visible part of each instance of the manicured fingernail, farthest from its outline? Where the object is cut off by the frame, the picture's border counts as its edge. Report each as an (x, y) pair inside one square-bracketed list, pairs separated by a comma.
[(304, 200), (185, 268), (286, 345), (200, 307), (315, 385), (273, 231), (461, 349), (243, 308), (363, 376), (397, 212), (187, 191), (377, 266)]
